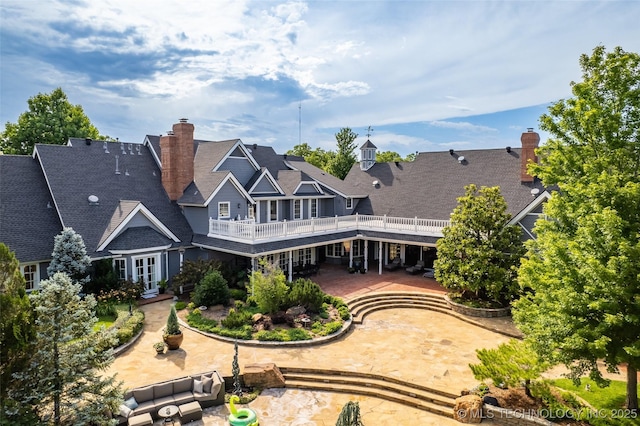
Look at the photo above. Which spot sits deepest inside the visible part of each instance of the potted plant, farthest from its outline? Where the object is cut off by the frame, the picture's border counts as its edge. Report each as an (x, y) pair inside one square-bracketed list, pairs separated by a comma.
[(172, 334), (162, 286), (159, 347)]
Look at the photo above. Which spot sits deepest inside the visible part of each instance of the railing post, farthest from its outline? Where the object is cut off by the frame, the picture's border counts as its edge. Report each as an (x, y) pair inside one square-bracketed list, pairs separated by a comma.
[(284, 227), (415, 224), (253, 232), (313, 225), (384, 221), (356, 220), (336, 221)]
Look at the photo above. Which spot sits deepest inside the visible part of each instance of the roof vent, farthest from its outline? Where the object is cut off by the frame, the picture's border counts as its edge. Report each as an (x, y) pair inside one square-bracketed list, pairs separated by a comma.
[(255, 146), (509, 149), (105, 147), (529, 129), (534, 192), (450, 151), (375, 183), (87, 141), (461, 159), (93, 200), (170, 132)]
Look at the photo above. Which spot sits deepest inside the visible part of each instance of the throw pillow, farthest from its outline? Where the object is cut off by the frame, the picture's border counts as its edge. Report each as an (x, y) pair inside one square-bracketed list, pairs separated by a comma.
[(197, 386), (124, 411), (131, 403), (206, 384)]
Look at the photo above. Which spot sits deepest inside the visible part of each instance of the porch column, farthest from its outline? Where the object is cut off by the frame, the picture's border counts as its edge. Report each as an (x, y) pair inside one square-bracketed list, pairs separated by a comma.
[(366, 255), (386, 253), (351, 255), (290, 265), (380, 258)]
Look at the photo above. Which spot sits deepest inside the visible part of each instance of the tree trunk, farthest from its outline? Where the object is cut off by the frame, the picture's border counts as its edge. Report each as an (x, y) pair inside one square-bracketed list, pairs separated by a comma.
[(56, 385), (632, 388)]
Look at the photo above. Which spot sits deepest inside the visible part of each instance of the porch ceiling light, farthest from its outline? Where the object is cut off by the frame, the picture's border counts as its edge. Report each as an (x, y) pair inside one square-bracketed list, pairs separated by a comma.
[(347, 246)]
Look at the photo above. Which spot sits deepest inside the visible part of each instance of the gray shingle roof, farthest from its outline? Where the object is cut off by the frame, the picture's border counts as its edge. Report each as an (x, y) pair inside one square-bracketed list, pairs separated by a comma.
[(93, 173), (138, 238), (429, 186), (327, 179), (28, 219)]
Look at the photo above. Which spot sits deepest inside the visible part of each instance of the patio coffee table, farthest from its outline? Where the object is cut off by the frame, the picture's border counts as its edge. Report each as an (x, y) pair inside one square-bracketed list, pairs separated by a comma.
[(167, 412)]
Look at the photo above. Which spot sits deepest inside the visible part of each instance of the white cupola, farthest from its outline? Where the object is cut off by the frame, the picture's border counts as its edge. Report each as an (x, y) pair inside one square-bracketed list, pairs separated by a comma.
[(367, 155)]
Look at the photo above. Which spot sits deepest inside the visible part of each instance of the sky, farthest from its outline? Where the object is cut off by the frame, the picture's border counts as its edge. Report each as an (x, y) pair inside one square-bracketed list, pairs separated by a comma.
[(424, 75)]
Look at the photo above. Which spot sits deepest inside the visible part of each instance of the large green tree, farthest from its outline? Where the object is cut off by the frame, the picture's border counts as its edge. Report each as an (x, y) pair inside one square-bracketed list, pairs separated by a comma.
[(16, 322), (63, 381), (583, 267), (345, 157), (51, 119), (480, 252), (317, 157)]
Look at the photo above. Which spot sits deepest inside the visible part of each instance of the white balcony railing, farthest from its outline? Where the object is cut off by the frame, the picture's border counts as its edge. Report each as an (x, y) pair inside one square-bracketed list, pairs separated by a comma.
[(249, 231)]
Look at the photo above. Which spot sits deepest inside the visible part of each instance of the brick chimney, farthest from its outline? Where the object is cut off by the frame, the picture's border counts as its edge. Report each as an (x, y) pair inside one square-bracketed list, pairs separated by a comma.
[(530, 141), (177, 159)]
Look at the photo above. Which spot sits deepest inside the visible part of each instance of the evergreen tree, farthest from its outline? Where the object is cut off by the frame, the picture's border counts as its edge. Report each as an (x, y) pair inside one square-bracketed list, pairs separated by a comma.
[(69, 256), (350, 415), (51, 119), (480, 252), (583, 266), (62, 381), (16, 324)]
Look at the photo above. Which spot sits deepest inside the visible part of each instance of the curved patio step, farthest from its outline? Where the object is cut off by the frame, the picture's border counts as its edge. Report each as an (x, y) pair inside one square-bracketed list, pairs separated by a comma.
[(368, 384), (361, 306)]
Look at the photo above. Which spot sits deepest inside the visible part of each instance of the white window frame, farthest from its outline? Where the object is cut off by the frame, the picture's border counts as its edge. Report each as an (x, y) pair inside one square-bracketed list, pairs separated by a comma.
[(271, 204), (118, 269), (251, 210), (35, 281), (297, 209), (313, 207), (335, 250), (157, 273), (349, 203), (221, 205)]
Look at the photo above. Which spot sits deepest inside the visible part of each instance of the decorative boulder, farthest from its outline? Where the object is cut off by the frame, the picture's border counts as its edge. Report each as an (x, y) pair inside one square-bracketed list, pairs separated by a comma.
[(468, 409), (296, 310), (263, 376)]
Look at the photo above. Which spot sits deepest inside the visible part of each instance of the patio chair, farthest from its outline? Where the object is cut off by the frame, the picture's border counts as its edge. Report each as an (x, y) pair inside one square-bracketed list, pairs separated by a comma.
[(418, 267), (395, 264)]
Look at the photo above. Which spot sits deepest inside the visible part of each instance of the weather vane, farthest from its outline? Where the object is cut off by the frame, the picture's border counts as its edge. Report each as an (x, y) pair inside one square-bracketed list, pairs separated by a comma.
[(369, 130)]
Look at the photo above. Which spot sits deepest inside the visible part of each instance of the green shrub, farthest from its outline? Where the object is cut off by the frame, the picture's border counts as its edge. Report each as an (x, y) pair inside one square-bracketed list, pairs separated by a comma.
[(236, 318), (106, 308), (239, 304), (244, 333), (124, 334), (317, 327), (191, 306), (306, 293), (212, 290), (192, 272), (330, 328), (324, 315), (298, 334), (271, 335), (270, 289), (196, 320), (128, 326), (238, 294), (344, 312), (180, 305)]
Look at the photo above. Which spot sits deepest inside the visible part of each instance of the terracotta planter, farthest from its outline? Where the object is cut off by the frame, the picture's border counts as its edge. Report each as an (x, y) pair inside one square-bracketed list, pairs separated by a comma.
[(173, 341)]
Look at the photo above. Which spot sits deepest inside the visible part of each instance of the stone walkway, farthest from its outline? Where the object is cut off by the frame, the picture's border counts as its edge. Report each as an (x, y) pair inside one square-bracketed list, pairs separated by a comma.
[(419, 346)]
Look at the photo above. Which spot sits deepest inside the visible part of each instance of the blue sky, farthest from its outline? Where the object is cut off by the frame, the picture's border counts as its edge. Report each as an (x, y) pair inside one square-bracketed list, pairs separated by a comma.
[(425, 75)]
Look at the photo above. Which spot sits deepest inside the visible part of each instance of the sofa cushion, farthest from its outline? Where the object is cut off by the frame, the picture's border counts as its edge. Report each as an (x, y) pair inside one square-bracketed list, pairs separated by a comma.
[(131, 403), (206, 384), (182, 385), (197, 386), (182, 397), (143, 394), (217, 384), (162, 389), (165, 400), (124, 411), (144, 407)]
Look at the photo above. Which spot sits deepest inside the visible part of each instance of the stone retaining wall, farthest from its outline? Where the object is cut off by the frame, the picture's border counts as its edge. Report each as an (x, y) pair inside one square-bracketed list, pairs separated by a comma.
[(477, 312)]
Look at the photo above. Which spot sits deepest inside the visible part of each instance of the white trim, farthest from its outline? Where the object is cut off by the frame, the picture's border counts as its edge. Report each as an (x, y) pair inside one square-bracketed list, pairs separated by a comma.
[(36, 275), (140, 208), (269, 212), (154, 154), (126, 267), (349, 203), (141, 250), (157, 266), (544, 196), (311, 200), (234, 182), (222, 203), (247, 154), (300, 209)]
